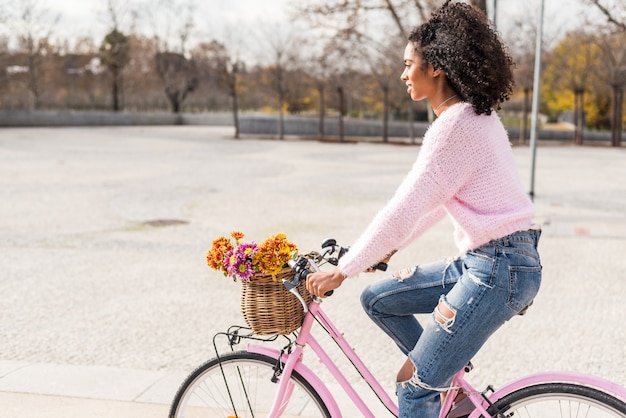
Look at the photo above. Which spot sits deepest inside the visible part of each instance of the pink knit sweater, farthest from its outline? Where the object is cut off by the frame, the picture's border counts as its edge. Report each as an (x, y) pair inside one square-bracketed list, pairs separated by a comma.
[(465, 168)]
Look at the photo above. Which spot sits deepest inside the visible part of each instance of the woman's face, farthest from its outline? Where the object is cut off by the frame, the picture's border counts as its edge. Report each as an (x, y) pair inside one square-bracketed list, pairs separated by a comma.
[(419, 82)]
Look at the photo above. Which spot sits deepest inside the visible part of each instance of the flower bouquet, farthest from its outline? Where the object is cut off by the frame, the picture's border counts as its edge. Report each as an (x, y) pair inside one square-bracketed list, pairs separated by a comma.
[(247, 260), (267, 306)]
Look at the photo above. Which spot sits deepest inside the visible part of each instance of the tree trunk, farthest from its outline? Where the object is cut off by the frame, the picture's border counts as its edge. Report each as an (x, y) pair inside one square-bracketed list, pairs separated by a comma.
[(281, 115), (322, 110), (174, 101), (281, 124), (616, 118), (115, 90), (235, 109), (341, 106), (385, 113), (578, 116), (33, 82), (524, 122), (410, 119), (232, 81)]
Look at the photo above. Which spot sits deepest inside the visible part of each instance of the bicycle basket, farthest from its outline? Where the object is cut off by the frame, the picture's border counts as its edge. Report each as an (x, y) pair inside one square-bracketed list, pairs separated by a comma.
[(268, 308)]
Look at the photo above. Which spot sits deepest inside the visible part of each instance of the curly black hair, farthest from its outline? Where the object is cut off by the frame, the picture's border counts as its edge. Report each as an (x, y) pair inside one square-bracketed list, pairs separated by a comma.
[(459, 40)]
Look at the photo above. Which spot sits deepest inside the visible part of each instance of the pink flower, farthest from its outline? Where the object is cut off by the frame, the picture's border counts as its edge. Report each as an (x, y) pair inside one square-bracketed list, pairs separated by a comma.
[(238, 262)]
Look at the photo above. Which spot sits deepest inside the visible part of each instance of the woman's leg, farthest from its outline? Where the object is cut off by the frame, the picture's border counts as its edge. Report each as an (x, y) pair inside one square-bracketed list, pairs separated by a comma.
[(392, 303), (497, 282)]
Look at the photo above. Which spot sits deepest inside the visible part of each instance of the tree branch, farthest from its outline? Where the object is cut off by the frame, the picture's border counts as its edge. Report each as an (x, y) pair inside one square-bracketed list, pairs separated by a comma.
[(396, 18), (608, 14)]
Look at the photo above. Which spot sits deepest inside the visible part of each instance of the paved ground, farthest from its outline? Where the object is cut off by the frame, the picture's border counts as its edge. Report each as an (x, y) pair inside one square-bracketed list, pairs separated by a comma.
[(103, 311)]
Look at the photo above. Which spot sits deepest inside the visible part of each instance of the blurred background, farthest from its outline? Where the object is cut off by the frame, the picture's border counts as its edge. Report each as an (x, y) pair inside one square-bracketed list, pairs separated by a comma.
[(310, 58)]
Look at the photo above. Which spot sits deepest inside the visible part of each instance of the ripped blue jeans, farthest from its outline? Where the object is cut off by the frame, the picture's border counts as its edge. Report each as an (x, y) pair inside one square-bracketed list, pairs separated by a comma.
[(468, 299)]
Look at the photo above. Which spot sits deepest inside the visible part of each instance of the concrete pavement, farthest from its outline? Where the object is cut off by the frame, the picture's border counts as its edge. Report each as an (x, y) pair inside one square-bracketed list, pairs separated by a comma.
[(107, 303)]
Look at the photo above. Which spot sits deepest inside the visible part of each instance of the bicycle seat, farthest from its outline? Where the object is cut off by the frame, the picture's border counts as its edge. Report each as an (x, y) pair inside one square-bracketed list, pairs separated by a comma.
[(523, 311)]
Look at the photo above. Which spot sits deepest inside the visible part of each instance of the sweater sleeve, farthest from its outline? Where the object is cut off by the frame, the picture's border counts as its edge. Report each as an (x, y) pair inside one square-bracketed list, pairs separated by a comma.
[(437, 174), (423, 224)]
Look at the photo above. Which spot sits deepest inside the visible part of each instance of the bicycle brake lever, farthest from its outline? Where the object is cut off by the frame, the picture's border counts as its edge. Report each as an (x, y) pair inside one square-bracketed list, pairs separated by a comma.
[(293, 288)]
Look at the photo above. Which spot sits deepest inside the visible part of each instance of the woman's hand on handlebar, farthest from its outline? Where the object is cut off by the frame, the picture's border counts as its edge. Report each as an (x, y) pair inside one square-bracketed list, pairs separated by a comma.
[(321, 282)]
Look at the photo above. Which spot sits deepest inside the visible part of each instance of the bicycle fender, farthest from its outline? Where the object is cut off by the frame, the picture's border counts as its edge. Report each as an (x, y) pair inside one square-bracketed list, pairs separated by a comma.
[(306, 373), (557, 377)]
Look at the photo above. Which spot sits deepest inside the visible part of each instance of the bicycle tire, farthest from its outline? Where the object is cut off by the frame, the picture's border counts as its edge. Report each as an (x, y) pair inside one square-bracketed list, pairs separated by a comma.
[(558, 400), (244, 390)]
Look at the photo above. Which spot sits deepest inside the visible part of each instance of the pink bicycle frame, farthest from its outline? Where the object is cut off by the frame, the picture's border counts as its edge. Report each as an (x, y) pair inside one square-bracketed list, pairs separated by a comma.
[(293, 361)]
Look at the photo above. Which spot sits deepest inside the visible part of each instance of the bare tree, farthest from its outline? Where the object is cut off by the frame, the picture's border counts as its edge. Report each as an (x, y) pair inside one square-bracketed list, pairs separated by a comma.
[(175, 21), (347, 60), (319, 70), (353, 16), (282, 44), (384, 65), (214, 60), (173, 24), (179, 76), (522, 47), (355, 26), (327, 68), (613, 72), (35, 25)]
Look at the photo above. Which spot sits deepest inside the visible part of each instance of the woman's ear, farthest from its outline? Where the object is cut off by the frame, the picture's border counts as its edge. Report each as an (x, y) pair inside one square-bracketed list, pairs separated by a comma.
[(436, 72)]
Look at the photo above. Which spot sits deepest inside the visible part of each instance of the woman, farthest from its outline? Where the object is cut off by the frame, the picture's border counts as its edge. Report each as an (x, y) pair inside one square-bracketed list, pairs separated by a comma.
[(466, 170)]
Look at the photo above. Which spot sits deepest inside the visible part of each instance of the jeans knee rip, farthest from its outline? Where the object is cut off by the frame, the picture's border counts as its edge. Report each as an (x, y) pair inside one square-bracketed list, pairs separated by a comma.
[(416, 382), (404, 273), (444, 314)]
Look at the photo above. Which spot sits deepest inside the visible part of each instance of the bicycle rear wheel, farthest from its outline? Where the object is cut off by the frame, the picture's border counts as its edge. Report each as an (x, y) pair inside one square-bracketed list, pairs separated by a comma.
[(555, 400), (239, 384)]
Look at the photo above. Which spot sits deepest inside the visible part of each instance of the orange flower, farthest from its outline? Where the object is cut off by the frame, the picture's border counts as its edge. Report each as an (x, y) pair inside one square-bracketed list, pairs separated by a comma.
[(215, 256), (274, 253), (237, 235)]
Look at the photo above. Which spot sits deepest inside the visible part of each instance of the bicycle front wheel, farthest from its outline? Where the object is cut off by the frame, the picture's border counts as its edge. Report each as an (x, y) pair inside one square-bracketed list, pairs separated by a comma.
[(553, 400), (242, 385)]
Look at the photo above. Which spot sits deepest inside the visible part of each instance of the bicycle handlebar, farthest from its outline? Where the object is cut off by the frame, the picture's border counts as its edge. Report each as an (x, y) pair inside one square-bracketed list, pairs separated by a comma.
[(304, 266)]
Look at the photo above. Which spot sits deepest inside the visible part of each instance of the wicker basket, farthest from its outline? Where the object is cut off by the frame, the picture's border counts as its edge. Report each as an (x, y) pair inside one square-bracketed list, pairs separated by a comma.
[(268, 308)]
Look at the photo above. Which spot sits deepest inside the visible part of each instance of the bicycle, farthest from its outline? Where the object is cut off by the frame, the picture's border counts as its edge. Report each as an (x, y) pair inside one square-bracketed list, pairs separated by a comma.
[(262, 381)]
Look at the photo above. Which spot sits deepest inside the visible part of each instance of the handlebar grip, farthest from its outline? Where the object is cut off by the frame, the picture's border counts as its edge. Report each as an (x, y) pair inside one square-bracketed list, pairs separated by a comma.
[(303, 273), (380, 266)]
